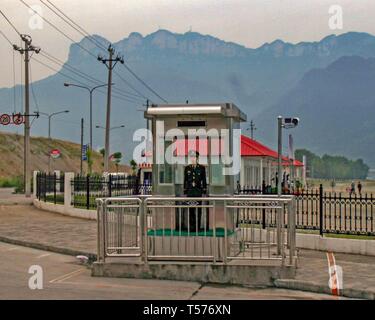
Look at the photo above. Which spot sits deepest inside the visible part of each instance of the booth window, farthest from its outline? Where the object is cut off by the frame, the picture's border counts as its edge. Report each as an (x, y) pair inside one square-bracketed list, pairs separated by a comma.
[(166, 170), (217, 177)]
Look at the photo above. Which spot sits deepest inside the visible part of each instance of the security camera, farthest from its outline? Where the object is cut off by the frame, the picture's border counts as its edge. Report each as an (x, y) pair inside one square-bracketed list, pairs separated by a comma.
[(290, 122)]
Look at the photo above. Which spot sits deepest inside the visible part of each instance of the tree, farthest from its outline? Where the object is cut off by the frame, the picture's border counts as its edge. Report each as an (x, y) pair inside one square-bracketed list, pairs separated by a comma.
[(133, 165), (102, 152), (90, 160), (117, 156), (333, 167)]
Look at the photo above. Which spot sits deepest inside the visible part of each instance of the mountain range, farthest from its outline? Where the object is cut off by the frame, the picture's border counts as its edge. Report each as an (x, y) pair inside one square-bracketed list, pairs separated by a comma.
[(326, 83)]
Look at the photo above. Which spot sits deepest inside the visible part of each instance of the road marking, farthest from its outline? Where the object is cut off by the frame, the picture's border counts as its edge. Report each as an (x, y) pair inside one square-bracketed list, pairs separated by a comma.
[(332, 270), (67, 276), (12, 249), (44, 255)]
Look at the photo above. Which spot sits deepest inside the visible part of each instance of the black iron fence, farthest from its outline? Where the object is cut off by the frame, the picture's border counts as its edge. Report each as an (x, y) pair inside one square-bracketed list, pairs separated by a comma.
[(50, 187), (85, 189), (331, 212), (327, 212)]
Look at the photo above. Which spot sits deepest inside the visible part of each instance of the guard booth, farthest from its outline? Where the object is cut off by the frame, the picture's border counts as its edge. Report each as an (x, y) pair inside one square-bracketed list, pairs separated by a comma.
[(168, 178), (177, 129)]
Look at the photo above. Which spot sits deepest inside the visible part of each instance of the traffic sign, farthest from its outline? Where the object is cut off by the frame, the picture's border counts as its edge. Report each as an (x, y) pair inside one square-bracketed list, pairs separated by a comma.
[(55, 153), (85, 147)]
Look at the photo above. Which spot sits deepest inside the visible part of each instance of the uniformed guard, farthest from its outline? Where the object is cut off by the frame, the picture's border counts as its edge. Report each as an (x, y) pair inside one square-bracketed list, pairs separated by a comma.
[(195, 185)]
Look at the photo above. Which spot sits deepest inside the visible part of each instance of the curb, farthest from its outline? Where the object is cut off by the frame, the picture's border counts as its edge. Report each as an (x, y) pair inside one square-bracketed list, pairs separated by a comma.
[(293, 284), (40, 246), (15, 203)]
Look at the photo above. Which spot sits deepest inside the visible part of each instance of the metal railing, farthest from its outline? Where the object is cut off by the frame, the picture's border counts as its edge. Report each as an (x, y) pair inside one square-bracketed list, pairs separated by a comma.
[(210, 229)]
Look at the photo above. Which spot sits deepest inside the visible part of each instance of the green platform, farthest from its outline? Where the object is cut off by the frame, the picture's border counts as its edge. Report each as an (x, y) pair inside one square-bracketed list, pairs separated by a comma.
[(177, 233)]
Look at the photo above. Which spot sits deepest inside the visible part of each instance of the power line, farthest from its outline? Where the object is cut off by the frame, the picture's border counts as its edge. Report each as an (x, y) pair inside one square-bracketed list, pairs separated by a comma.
[(11, 24), (144, 83), (78, 26), (128, 83), (70, 24), (32, 90), (14, 82), (85, 33), (85, 75), (13, 70), (78, 81), (83, 48), (57, 29), (7, 39), (64, 34)]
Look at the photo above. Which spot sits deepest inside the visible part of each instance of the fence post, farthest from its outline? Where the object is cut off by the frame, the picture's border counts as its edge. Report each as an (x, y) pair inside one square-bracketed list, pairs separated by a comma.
[(68, 189), (38, 185), (45, 188), (263, 217), (109, 185), (88, 192), (35, 184), (321, 213), (54, 187)]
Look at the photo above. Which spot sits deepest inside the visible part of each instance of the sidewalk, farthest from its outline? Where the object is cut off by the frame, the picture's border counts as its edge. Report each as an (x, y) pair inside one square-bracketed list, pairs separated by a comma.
[(28, 226), (312, 274), (8, 197)]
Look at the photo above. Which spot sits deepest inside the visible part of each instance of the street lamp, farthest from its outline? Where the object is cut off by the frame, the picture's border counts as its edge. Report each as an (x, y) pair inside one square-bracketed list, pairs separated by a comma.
[(50, 115), (90, 90), (112, 128), (286, 123)]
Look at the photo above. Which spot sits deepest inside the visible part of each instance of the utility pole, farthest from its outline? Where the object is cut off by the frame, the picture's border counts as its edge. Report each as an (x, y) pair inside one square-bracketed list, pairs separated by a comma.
[(252, 129), (110, 64), (26, 160), (279, 154), (81, 169)]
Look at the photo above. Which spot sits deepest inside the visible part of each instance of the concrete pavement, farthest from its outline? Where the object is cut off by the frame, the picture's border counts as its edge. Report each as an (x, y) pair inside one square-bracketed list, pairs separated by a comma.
[(26, 225), (30, 225), (65, 278), (7, 197)]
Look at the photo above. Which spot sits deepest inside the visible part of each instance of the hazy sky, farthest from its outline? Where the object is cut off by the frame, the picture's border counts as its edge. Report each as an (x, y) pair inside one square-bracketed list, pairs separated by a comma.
[(247, 22)]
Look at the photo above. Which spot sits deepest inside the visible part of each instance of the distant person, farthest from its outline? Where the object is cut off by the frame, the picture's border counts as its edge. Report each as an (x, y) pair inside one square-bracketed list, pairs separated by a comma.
[(238, 187), (359, 186), (352, 188)]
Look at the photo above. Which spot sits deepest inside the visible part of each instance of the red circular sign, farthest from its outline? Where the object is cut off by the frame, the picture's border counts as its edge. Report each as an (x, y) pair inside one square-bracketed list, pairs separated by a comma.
[(5, 119), (55, 153), (18, 118)]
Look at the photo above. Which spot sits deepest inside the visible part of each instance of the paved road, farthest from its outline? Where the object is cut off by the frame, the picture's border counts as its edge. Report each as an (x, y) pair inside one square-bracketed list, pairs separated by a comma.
[(8, 197), (65, 278)]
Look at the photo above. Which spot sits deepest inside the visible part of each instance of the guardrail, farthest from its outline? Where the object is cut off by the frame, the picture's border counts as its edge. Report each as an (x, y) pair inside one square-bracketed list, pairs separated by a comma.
[(209, 229)]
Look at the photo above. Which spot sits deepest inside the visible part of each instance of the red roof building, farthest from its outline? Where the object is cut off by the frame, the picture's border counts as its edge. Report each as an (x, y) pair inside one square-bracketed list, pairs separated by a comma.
[(258, 162)]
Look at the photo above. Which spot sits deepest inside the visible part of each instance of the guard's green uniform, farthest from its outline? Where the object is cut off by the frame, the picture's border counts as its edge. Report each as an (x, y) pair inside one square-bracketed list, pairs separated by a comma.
[(195, 185)]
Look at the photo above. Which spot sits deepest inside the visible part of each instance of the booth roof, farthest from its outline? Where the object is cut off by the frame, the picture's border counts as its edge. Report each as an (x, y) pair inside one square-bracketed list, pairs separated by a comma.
[(253, 148)]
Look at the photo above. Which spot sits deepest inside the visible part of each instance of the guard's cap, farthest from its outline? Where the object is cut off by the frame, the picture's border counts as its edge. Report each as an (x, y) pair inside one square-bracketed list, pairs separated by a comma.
[(193, 153)]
